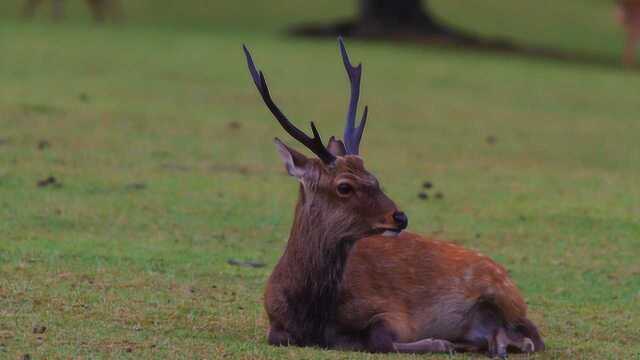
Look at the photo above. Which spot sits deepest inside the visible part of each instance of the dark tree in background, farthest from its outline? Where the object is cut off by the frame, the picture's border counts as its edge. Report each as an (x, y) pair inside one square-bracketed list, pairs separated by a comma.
[(415, 21), (390, 19), (379, 17)]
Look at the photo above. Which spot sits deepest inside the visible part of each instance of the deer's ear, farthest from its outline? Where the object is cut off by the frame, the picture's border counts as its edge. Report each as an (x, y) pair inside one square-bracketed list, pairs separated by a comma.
[(294, 162), (336, 147)]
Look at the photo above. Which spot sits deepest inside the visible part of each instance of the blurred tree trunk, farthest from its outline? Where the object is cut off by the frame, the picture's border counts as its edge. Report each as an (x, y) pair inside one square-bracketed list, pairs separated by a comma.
[(385, 16), (388, 18), (415, 21)]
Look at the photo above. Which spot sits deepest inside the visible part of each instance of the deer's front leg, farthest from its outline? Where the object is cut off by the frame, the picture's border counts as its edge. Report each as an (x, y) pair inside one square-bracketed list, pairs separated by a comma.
[(279, 337)]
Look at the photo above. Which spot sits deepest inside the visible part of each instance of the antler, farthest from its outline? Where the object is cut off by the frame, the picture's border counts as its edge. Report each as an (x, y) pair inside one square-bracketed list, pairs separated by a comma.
[(353, 134), (314, 144)]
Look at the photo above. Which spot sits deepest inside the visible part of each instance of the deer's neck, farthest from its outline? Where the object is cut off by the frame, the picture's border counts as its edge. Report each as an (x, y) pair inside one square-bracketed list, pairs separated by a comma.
[(314, 260)]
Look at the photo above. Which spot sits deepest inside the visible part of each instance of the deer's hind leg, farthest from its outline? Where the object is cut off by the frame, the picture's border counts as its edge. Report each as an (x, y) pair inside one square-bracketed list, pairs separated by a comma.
[(425, 346), (488, 331), (383, 338)]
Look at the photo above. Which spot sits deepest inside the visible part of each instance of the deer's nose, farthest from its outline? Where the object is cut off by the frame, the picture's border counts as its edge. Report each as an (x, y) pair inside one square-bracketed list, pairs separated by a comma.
[(401, 219)]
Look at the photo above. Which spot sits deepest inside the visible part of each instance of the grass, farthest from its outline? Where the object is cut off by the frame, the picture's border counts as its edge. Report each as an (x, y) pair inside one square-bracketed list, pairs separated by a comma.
[(163, 153)]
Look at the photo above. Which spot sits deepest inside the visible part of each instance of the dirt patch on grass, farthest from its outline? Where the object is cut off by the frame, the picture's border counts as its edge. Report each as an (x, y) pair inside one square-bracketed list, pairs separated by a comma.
[(50, 181), (111, 346)]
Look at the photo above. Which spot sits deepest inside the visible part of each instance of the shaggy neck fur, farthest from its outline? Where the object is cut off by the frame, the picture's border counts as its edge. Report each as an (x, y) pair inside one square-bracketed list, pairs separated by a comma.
[(314, 259)]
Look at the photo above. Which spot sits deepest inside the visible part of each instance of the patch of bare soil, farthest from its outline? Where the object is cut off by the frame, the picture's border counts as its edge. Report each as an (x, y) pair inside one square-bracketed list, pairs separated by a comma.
[(49, 182)]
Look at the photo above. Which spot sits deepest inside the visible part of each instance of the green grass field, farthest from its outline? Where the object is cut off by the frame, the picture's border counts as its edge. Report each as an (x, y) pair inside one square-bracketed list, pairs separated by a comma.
[(165, 169)]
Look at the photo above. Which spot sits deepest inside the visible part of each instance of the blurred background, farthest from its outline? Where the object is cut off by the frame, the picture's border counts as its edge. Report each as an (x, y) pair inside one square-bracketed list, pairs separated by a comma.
[(588, 25), (143, 205)]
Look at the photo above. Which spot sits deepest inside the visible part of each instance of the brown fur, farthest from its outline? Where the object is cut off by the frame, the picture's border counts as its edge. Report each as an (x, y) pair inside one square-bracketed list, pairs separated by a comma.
[(302, 292), (422, 288), (338, 286)]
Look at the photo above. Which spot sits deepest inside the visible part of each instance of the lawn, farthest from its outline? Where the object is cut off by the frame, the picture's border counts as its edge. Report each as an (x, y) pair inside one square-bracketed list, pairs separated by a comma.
[(165, 170)]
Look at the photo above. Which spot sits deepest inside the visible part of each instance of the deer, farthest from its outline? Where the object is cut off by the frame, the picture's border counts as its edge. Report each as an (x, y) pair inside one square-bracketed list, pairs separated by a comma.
[(100, 9), (352, 278), (628, 14)]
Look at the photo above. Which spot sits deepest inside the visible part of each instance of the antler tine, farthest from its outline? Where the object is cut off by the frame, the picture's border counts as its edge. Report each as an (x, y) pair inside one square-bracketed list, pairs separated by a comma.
[(314, 144), (353, 134)]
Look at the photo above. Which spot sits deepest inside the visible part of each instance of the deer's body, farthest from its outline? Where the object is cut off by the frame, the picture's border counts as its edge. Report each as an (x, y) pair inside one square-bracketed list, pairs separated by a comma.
[(405, 287), (351, 278), (423, 288)]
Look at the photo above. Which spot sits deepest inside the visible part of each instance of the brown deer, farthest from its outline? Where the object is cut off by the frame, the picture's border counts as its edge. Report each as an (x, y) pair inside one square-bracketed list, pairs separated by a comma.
[(352, 278), (629, 16), (100, 9)]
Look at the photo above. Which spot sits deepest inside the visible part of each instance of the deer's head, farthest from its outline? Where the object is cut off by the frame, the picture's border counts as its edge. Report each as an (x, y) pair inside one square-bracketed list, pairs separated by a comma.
[(335, 186)]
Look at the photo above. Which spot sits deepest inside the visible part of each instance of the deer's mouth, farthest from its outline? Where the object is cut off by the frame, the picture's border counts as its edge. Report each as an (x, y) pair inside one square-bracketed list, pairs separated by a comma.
[(386, 231), (392, 224), (391, 233)]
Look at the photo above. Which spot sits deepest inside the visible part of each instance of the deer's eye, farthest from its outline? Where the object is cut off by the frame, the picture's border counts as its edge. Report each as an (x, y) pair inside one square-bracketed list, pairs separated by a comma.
[(345, 189)]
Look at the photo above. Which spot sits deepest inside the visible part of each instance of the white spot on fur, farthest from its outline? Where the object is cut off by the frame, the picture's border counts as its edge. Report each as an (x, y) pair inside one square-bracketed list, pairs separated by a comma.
[(390, 233)]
